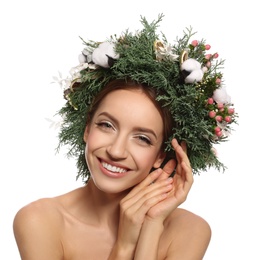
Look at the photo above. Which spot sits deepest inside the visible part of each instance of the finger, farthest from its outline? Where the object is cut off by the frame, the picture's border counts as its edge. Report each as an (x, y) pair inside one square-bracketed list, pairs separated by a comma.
[(152, 198), (184, 170), (148, 204), (146, 193), (144, 183), (168, 169), (181, 151), (189, 176)]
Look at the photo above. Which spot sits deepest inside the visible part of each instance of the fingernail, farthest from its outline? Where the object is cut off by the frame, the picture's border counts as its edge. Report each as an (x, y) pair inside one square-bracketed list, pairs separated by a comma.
[(169, 179), (159, 170)]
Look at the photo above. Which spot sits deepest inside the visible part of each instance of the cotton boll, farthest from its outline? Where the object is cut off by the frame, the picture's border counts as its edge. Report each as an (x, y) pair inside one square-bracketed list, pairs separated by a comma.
[(192, 68), (194, 76), (85, 56), (81, 58), (220, 95), (104, 53), (190, 65)]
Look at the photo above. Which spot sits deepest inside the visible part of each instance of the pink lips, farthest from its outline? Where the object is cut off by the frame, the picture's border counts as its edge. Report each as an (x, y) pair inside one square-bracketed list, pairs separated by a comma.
[(112, 174)]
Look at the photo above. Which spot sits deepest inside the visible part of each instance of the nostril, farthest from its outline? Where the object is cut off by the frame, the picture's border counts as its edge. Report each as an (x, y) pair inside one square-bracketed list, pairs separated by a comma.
[(117, 151)]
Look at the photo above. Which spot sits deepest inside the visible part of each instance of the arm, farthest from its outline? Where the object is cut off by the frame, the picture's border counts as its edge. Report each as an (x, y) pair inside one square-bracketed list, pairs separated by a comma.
[(36, 232), (148, 244), (146, 207), (133, 210)]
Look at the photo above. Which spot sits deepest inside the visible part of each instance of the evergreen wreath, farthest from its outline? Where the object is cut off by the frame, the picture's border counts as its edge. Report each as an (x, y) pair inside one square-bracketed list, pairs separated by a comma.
[(191, 80)]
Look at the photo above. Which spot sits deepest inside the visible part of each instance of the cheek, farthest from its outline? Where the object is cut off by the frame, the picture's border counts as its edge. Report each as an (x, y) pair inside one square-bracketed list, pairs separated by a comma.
[(95, 139), (92, 144), (145, 158), (144, 161)]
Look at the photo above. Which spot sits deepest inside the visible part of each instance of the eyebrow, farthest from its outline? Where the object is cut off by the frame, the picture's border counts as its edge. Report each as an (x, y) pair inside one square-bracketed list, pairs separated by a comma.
[(140, 129)]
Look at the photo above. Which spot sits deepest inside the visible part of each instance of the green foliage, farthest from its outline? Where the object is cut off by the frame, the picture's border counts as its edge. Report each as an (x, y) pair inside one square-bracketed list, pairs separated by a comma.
[(138, 61)]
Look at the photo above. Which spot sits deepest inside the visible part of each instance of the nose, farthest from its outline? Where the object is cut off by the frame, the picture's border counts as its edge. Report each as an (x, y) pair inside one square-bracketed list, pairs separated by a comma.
[(117, 149)]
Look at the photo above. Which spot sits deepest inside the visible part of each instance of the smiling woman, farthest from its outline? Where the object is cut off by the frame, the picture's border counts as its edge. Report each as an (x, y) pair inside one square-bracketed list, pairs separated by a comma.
[(139, 130), (125, 126)]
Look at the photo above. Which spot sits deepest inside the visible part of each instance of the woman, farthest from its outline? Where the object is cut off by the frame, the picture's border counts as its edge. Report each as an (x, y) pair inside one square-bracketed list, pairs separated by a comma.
[(124, 132)]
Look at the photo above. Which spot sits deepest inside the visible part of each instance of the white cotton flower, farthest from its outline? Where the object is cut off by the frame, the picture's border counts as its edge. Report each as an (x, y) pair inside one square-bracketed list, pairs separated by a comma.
[(103, 53), (194, 76), (81, 58), (220, 95), (194, 68), (85, 56)]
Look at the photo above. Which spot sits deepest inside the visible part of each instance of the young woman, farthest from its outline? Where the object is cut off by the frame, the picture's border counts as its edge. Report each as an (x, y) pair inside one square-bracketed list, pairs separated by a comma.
[(120, 127)]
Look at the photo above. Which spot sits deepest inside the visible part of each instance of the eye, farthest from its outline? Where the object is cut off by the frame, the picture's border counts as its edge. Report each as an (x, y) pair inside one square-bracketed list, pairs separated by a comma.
[(144, 139), (105, 125)]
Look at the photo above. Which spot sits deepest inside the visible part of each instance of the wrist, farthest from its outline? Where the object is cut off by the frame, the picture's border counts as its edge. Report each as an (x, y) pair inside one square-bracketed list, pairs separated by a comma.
[(119, 251), (156, 225), (157, 222), (148, 244)]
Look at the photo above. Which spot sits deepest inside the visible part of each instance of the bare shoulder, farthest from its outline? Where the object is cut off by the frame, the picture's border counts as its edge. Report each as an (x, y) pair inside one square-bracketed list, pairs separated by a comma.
[(35, 211), (38, 227), (188, 235), (51, 211), (190, 220)]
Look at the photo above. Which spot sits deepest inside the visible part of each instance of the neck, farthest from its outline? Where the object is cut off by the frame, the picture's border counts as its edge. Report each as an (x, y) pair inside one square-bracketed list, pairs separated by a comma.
[(104, 206)]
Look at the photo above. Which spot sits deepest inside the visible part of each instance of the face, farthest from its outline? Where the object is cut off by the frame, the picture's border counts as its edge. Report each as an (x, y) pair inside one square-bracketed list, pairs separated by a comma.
[(123, 140)]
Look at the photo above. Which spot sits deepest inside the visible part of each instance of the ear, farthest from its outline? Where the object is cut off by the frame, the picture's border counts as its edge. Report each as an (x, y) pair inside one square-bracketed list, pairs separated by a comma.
[(159, 160), (86, 134)]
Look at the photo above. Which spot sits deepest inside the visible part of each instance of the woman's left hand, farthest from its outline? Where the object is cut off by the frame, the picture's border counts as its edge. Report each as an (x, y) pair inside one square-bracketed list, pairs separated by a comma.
[(182, 182)]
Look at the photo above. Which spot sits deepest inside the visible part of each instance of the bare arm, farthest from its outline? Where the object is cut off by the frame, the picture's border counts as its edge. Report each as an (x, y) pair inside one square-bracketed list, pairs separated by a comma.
[(191, 233), (148, 244), (146, 208), (133, 209)]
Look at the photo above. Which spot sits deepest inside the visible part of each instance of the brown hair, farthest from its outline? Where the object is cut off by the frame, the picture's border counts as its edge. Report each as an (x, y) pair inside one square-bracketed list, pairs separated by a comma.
[(149, 91)]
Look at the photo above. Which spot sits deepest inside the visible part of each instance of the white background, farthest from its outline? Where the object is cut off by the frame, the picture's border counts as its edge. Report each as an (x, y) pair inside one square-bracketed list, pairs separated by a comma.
[(38, 39)]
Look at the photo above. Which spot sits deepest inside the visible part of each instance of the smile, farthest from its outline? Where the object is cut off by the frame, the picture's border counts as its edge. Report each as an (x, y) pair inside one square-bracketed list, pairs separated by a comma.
[(112, 168)]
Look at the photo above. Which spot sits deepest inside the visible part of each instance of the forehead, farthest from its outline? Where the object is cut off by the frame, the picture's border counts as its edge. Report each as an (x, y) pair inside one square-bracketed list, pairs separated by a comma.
[(132, 105)]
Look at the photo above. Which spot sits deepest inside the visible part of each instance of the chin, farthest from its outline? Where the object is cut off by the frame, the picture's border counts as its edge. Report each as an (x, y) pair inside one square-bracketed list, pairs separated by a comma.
[(114, 186)]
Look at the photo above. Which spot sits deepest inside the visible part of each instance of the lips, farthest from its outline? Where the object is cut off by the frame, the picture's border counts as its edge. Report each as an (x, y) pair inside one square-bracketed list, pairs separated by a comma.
[(111, 170)]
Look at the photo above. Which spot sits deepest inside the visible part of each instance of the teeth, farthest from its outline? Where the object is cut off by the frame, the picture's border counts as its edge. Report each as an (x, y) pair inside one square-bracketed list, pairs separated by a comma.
[(113, 168)]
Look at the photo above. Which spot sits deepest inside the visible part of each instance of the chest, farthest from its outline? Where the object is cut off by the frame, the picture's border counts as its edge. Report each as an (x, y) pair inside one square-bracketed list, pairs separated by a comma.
[(81, 241)]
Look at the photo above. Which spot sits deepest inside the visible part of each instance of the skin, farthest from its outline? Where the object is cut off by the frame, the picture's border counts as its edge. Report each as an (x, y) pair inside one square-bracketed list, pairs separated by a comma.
[(135, 216)]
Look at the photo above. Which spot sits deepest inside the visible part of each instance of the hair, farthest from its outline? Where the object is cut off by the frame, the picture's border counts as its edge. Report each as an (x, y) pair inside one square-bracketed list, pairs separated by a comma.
[(149, 91)]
